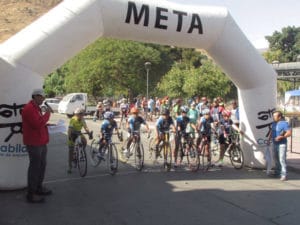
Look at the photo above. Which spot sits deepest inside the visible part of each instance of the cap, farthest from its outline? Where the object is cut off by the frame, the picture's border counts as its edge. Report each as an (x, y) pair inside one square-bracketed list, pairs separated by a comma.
[(38, 92)]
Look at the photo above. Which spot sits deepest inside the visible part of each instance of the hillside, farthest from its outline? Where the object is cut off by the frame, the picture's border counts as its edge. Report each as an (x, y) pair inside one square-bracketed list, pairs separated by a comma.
[(17, 14)]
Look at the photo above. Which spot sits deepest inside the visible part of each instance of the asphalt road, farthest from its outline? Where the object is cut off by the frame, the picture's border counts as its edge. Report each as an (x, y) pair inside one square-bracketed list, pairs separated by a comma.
[(219, 196)]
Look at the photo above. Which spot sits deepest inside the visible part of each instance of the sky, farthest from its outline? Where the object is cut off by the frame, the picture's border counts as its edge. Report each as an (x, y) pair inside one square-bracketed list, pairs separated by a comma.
[(257, 18)]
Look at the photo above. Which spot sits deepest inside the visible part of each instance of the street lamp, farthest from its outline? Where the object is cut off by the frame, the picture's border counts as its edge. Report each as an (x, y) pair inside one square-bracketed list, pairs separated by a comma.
[(147, 66)]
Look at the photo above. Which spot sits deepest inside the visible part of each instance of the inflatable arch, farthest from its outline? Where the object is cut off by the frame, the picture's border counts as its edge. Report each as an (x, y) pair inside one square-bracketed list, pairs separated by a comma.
[(57, 36)]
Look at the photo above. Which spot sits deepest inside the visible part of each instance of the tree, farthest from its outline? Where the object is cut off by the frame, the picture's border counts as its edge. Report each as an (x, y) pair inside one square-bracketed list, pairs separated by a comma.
[(113, 67), (287, 42), (207, 80)]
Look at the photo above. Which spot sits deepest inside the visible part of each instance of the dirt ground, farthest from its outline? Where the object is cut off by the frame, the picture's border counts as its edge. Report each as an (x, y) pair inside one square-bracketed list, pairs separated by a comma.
[(17, 14)]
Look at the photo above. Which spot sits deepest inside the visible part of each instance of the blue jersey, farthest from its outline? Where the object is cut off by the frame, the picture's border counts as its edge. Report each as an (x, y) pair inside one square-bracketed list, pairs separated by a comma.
[(135, 123), (278, 129), (182, 122), (206, 126), (107, 128), (227, 125), (164, 124)]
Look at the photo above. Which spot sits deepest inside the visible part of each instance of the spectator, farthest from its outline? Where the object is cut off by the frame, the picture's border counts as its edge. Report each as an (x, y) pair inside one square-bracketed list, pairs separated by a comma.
[(36, 138), (235, 113), (280, 132)]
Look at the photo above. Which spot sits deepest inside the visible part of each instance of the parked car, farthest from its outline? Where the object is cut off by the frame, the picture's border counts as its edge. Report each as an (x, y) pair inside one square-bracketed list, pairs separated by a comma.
[(53, 103)]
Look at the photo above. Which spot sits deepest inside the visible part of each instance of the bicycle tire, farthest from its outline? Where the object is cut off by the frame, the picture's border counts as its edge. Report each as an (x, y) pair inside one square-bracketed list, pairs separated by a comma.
[(112, 159), (204, 163), (94, 150), (167, 157), (236, 157), (81, 161), (139, 156), (193, 158), (179, 154)]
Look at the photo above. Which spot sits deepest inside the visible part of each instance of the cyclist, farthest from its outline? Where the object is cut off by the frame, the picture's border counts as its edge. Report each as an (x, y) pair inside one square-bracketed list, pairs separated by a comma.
[(106, 105), (205, 131), (108, 125), (163, 123), (225, 125), (182, 123), (76, 123), (99, 111), (124, 108), (133, 125)]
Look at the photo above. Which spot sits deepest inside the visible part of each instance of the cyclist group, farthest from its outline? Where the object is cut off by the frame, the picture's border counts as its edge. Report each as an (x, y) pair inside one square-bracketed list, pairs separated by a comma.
[(199, 120)]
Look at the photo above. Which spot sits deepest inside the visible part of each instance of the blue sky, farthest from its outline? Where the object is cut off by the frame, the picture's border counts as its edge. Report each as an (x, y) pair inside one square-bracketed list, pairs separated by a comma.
[(257, 18)]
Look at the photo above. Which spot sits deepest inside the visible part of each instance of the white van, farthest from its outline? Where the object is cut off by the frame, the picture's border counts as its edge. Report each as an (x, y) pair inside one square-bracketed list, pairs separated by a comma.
[(71, 102)]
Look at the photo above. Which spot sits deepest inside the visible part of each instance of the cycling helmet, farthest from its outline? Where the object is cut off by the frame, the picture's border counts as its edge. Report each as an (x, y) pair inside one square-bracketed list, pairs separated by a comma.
[(124, 100), (134, 110), (79, 111), (184, 109), (108, 115), (226, 113), (106, 102), (165, 112), (205, 112)]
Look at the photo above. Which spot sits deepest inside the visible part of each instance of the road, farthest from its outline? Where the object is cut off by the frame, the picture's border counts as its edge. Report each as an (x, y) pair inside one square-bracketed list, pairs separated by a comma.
[(219, 196)]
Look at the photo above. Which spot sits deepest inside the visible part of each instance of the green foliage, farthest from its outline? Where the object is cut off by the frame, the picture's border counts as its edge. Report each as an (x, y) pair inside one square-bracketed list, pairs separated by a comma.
[(287, 42), (114, 67), (207, 80), (110, 68)]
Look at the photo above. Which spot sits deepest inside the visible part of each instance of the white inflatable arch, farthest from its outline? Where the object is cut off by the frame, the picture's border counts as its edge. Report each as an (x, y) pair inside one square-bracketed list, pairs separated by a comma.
[(27, 57)]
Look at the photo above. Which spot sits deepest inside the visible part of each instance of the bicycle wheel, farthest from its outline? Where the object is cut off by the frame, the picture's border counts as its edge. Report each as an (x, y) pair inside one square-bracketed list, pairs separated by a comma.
[(81, 161), (167, 157), (204, 159), (139, 156), (236, 157), (193, 158), (112, 159), (94, 150)]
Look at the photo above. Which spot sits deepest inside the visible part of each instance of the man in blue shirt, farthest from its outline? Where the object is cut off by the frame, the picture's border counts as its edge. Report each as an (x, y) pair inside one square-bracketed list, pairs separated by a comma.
[(280, 132)]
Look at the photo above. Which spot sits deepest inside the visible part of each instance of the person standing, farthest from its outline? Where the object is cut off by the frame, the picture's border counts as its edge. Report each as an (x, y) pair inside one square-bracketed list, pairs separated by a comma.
[(36, 138), (280, 132)]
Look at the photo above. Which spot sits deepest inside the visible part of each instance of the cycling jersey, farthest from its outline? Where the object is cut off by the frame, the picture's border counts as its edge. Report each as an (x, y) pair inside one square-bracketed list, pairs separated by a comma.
[(206, 125), (227, 125), (107, 128), (164, 124), (124, 108), (135, 123), (182, 122), (75, 125)]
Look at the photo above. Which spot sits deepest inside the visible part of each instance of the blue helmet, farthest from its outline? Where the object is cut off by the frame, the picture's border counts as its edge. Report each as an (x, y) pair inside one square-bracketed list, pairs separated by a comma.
[(108, 115)]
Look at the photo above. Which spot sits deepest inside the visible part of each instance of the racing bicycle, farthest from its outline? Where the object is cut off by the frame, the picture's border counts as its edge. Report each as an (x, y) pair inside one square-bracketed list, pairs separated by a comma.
[(104, 152), (79, 154)]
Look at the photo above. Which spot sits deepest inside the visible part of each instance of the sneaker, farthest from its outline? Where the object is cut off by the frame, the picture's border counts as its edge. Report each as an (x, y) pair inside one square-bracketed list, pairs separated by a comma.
[(283, 178), (33, 198), (44, 191)]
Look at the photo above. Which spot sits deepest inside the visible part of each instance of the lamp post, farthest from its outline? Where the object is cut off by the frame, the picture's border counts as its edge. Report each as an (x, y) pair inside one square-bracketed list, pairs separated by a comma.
[(147, 66)]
